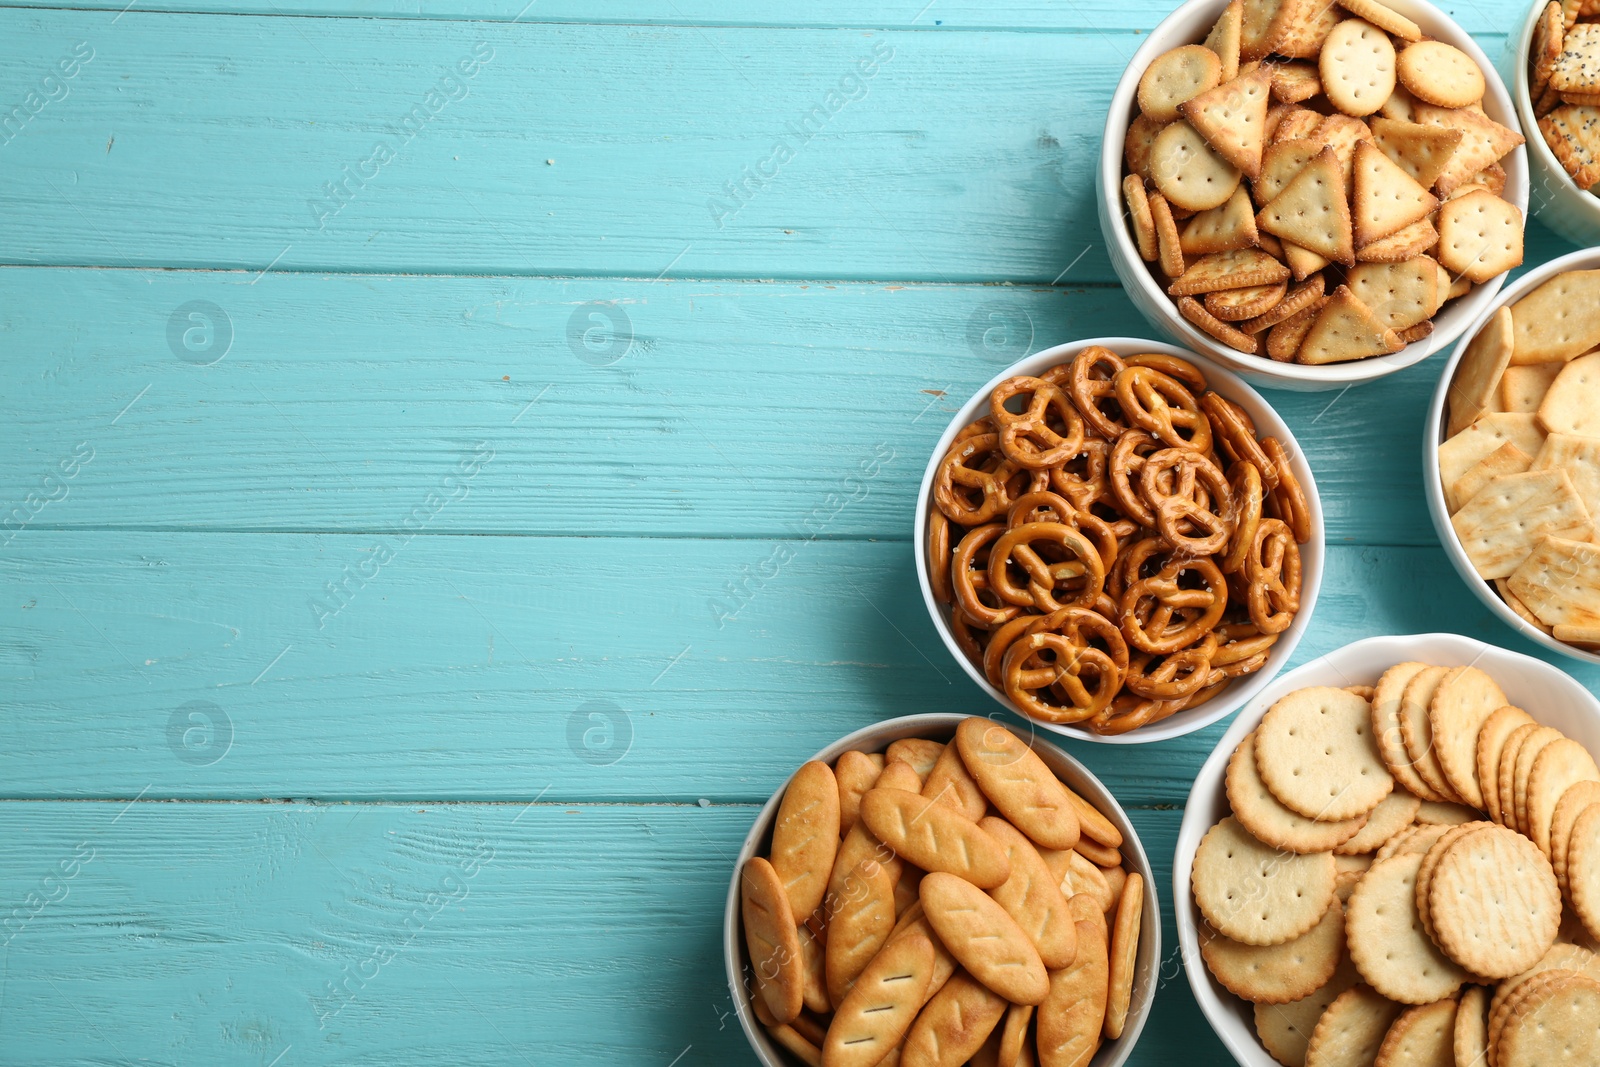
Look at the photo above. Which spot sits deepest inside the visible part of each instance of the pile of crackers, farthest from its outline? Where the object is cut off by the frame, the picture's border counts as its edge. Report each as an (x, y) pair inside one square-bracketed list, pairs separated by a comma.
[(1564, 85), (1520, 466), (1361, 900), (940, 904), (1334, 174)]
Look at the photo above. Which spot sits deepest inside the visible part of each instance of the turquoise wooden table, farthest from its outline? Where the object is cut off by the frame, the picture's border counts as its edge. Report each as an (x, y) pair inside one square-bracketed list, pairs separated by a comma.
[(432, 511)]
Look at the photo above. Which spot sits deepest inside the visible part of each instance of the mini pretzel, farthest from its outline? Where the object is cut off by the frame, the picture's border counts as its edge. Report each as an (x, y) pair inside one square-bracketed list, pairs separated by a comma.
[(939, 556), (1172, 367), (967, 582), (1127, 460), (1232, 428), (1046, 660), (1000, 639), (1085, 567), (1245, 486), (1082, 626), (1273, 571), (1181, 674), (1028, 439), (1091, 381), (1160, 404), (1183, 519), (1161, 614), (1288, 499), (1045, 506), (963, 467), (1083, 479)]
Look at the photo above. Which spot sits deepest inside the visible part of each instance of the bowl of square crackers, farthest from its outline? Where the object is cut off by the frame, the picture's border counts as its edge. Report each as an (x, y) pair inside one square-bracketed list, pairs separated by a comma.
[(1511, 456), (1554, 65), (1313, 195), (942, 889), (1393, 856)]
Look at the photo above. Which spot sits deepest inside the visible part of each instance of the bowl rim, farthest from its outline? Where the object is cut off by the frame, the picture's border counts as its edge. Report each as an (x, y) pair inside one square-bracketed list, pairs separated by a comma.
[(1496, 98), (1313, 554), (1433, 429), (1522, 98), (1386, 650), (1072, 771)]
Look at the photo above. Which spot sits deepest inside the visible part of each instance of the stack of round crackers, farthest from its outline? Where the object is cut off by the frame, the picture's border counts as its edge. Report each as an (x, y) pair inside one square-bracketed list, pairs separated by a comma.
[(1313, 184), (937, 903), (1390, 887), (1520, 466)]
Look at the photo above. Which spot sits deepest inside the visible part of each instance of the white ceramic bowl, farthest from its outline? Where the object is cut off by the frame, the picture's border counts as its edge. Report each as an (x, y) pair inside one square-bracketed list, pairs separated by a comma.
[(1268, 424), (1189, 25), (1551, 697), (1434, 434), (942, 727), (1557, 200)]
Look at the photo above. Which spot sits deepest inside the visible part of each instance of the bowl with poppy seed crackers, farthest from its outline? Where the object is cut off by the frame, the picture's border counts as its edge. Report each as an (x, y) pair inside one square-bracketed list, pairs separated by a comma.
[(1553, 65), (942, 889), (1313, 195)]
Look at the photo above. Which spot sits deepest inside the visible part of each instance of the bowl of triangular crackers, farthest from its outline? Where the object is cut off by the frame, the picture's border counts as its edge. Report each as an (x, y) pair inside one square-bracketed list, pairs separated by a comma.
[(1511, 456), (1554, 64), (1314, 195)]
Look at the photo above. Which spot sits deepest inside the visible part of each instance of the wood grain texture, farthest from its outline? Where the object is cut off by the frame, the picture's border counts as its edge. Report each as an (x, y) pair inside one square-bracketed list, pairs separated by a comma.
[(731, 409), (240, 124), (397, 934)]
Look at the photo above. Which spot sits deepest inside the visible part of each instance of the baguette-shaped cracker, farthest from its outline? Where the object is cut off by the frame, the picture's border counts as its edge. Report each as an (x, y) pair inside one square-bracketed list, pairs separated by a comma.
[(856, 772), (954, 1024), (983, 938), (1072, 1016), (934, 837), (880, 1008), (859, 927), (1032, 896), (805, 835), (772, 939), (951, 785), (1013, 776)]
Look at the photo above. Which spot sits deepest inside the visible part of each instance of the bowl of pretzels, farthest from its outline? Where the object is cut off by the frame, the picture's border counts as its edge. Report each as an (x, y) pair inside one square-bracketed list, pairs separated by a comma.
[(1119, 540)]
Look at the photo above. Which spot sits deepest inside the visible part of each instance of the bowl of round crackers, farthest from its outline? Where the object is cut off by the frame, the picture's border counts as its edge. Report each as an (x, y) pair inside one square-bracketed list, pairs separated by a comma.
[(1119, 540), (1390, 856), (1313, 195), (943, 888), (1511, 456), (1556, 85)]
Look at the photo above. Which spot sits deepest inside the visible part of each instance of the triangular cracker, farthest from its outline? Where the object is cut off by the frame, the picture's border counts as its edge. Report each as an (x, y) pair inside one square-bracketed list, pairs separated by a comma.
[(1233, 118), (1385, 198), (1302, 261), (1279, 164), (1399, 294), (1558, 320), (1313, 211), (1484, 141), (1346, 329), (1224, 39), (1229, 270), (1501, 525), (1423, 151), (1255, 27), (1342, 133), (1222, 229), (1410, 241), (1295, 80), (1302, 122), (1573, 134), (1478, 374)]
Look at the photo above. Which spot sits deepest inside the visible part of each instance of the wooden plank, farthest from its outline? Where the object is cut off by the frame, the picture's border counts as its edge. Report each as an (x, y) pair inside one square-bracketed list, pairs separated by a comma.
[(731, 409), (194, 665), (1035, 15), (491, 934), (570, 150)]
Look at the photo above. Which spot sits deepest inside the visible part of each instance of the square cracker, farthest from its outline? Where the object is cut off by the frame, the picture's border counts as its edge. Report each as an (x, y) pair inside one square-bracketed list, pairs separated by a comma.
[(1501, 526), (1572, 404), (1507, 459), (1577, 68), (1558, 320), (1462, 452), (1573, 134), (1580, 458), (1523, 388), (1479, 373), (1560, 582)]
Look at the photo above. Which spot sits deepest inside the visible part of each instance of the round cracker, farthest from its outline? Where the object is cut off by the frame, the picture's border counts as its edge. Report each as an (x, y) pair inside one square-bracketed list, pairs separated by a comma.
[(1437, 814), (1254, 893), (1440, 74), (1314, 750), (1561, 956), (1430, 860), (1176, 76), (1277, 974), (1465, 699), (1357, 67), (1491, 741), (1188, 172), (1507, 775), (1493, 902), (1423, 1036), (1532, 745), (1561, 765), (1352, 1030), (1415, 842), (1285, 1029), (1560, 1023), (1583, 869), (1387, 941), (1393, 814), (1417, 731), (1268, 820), (1386, 726), (1572, 804), (1470, 1042)]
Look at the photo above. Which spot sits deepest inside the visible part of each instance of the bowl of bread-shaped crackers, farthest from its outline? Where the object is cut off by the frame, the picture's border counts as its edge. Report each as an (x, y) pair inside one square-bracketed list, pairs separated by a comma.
[(1555, 81), (1511, 456), (942, 889), (1393, 856), (1313, 195)]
